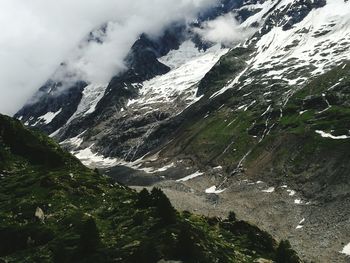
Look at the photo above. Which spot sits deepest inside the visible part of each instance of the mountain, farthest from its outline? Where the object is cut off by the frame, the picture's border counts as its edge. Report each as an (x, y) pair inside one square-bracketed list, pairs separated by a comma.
[(65, 110), (263, 124), (53, 209)]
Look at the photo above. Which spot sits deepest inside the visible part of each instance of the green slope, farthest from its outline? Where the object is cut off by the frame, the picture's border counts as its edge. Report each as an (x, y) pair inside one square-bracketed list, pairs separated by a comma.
[(274, 137), (53, 209)]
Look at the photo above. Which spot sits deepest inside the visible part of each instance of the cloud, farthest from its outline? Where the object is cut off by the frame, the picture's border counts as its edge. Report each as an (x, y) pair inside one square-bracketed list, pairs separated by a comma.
[(225, 30), (36, 35)]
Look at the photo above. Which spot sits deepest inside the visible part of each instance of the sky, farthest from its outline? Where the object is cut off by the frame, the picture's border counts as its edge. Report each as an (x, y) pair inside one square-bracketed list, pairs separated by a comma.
[(37, 35)]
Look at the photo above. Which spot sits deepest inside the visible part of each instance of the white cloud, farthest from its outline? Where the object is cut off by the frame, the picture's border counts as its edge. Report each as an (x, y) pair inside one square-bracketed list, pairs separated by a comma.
[(36, 35), (225, 30)]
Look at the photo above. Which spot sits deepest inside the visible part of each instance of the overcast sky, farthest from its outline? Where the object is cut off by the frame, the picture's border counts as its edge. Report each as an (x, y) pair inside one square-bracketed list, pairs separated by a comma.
[(36, 35)]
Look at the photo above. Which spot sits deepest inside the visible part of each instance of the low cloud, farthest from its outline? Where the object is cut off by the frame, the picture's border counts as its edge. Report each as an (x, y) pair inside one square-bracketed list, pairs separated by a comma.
[(39, 34), (225, 30)]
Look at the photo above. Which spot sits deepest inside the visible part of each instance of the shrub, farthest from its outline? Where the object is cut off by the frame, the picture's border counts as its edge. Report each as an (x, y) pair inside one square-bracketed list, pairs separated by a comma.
[(163, 206), (232, 216), (89, 237), (144, 199), (285, 253)]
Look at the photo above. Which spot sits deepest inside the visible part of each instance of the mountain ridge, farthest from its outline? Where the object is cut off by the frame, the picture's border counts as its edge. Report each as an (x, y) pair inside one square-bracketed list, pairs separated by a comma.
[(272, 110)]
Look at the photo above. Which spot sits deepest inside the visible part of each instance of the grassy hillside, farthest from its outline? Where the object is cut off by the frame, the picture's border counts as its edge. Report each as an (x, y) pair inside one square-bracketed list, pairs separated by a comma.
[(310, 143), (275, 134), (53, 209)]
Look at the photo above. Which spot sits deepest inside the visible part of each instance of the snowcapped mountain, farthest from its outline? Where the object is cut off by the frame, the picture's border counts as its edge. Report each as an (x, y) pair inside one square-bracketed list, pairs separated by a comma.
[(294, 41), (180, 77), (159, 83), (270, 108)]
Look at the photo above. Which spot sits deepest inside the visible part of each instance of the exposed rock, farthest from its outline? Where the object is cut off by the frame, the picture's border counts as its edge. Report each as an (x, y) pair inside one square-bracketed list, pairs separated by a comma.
[(39, 213)]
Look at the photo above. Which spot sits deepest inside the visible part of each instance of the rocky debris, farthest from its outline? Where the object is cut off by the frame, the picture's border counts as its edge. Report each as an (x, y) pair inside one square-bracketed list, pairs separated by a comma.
[(39, 213), (275, 212)]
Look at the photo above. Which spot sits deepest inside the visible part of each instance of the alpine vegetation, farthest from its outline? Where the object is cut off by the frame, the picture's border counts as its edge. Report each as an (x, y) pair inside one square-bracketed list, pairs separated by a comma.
[(186, 131)]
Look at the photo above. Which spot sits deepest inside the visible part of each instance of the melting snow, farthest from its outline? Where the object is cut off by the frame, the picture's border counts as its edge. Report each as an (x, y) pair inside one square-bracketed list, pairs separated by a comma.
[(164, 168), (74, 141), (176, 58), (92, 94), (298, 201), (273, 45), (328, 135), (346, 250), (266, 111), (323, 29), (189, 66), (269, 190), (91, 159), (291, 192), (189, 177), (55, 133), (48, 117), (242, 107), (301, 224), (213, 190)]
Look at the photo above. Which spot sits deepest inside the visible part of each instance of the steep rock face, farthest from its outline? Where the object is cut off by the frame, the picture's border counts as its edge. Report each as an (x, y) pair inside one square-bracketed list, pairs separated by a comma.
[(253, 94), (78, 98), (123, 133), (54, 107), (170, 84), (119, 117), (260, 77), (59, 98)]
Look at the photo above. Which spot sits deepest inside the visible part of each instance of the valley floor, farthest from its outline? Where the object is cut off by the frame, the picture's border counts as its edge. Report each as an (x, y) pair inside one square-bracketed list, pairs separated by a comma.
[(317, 231)]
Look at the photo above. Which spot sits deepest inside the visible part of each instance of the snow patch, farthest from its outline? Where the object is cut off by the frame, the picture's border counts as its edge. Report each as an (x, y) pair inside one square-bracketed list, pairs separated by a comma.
[(54, 133), (346, 250), (291, 192), (90, 159), (189, 66), (328, 135), (164, 168), (213, 190), (74, 141), (176, 58), (301, 224), (191, 176), (317, 43), (92, 94), (48, 117), (269, 190), (298, 201)]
